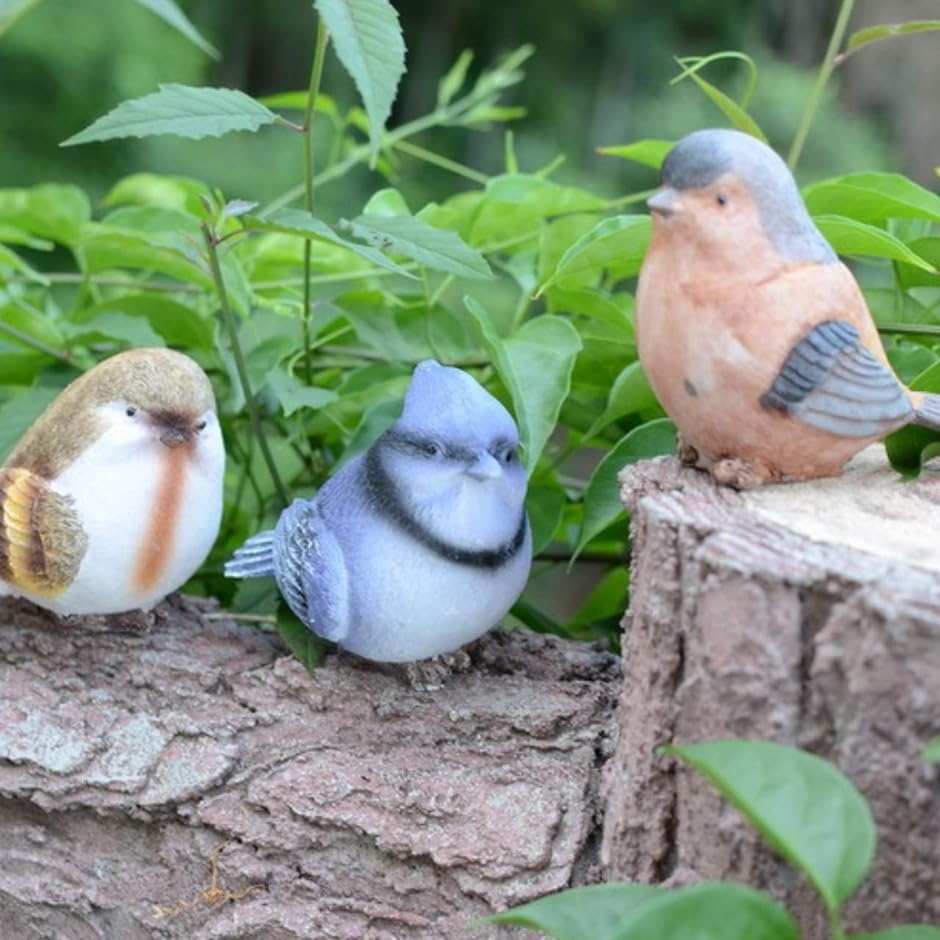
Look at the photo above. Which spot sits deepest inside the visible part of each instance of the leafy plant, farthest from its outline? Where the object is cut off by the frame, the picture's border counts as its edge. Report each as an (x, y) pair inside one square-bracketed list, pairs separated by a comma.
[(803, 807), (309, 324)]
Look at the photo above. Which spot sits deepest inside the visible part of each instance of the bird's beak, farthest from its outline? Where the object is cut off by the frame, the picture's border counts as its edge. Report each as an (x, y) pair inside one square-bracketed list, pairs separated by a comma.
[(175, 435), (667, 201), (484, 467)]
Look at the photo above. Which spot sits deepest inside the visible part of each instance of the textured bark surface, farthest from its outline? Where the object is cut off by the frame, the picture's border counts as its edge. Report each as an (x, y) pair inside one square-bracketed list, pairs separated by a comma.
[(808, 614), (193, 781)]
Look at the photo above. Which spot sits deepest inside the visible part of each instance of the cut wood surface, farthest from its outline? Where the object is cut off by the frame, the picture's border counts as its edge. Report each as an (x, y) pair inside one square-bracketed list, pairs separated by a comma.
[(192, 780), (808, 614)]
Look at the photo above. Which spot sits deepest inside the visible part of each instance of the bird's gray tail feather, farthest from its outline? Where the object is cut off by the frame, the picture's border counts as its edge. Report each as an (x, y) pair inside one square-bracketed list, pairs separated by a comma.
[(928, 414), (255, 559)]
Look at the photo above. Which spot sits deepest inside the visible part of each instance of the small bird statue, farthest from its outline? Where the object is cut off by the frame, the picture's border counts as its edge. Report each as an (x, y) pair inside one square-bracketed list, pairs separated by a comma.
[(754, 336), (113, 498), (420, 544)]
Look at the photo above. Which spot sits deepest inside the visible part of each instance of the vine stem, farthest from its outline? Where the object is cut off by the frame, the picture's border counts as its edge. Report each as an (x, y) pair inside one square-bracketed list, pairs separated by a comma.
[(825, 70), (316, 74), (231, 328)]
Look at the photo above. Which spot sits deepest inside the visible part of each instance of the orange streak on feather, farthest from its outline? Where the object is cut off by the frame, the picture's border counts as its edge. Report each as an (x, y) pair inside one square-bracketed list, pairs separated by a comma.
[(160, 535)]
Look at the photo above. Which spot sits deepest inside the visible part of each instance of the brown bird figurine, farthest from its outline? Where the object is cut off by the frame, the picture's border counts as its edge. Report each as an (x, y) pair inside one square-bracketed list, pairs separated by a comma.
[(754, 336), (113, 497)]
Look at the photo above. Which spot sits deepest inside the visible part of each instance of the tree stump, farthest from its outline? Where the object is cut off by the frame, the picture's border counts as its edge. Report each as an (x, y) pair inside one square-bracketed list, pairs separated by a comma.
[(808, 614), (194, 781)]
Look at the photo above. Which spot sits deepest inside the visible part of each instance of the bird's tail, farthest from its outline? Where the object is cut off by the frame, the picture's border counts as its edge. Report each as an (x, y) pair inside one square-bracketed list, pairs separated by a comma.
[(927, 412), (255, 559)]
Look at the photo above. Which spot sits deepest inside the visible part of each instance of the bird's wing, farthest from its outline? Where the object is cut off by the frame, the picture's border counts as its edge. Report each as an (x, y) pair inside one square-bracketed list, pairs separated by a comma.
[(311, 571), (42, 542), (832, 382), (255, 559)]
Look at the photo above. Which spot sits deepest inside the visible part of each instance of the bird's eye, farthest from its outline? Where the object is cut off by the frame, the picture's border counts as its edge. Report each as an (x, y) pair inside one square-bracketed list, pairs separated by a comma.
[(201, 426), (722, 199), (130, 411), (509, 455), (431, 449)]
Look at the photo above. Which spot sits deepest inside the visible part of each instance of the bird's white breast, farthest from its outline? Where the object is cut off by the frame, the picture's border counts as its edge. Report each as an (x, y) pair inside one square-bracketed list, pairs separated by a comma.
[(115, 485)]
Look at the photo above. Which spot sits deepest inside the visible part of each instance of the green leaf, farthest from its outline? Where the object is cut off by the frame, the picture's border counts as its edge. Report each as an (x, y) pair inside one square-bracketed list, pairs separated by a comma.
[(546, 507), (602, 504), (114, 324), (294, 395), (909, 448), (302, 223), (171, 14), (454, 80), (872, 197), (607, 599), (368, 41), (932, 751), (17, 414), (710, 911), (181, 110), (52, 210), (851, 237), (865, 37), (735, 112), (300, 639), (901, 932), (10, 259), (435, 248), (535, 364), (12, 10), (622, 239), (649, 152), (802, 806), (630, 394), (592, 912), (156, 189)]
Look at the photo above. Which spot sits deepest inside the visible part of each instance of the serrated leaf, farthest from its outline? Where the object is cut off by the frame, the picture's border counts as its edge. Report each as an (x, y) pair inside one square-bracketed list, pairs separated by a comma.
[(602, 504), (173, 16), (872, 197), (649, 152), (535, 363), (302, 223), (367, 39), (181, 110), (851, 237), (622, 239), (592, 912), (803, 807), (865, 37), (294, 395), (435, 248)]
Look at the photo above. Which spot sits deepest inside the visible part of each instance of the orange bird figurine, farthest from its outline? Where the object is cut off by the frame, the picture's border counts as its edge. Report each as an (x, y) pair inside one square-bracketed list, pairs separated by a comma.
[(754, 336), (113, 498)]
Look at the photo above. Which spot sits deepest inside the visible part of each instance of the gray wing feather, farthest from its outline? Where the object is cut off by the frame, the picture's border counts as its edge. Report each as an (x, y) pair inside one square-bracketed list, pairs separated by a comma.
[(928, 414), (830, 381), (255, 559), (311, 570)]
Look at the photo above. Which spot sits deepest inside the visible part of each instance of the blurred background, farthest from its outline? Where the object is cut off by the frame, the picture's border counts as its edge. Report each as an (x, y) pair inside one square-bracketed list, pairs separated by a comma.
[(599, 76)]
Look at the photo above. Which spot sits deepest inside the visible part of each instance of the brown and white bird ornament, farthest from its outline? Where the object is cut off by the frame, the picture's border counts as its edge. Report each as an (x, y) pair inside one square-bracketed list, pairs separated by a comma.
[(113, 497)]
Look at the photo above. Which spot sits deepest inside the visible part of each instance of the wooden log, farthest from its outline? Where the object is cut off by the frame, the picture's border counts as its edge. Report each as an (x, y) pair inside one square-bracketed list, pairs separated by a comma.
[(808, 614), (194, 781)]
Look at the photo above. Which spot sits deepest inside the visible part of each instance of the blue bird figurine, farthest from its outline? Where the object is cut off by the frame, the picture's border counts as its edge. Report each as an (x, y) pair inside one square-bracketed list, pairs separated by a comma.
[(420, 544)]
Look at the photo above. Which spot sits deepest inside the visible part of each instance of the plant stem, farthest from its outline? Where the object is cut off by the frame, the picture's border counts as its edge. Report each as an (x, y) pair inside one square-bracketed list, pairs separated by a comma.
[(36, 344), (825, 70), (316, 74), (452, 166), (232, 329)]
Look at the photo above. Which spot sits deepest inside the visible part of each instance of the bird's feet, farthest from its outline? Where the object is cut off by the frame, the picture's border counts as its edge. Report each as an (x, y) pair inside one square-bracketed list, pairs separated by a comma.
[(428, 675), (686, 453), (740, 474)]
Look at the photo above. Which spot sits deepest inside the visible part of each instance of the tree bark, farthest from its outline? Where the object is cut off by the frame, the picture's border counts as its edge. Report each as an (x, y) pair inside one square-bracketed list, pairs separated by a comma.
[(808, 614), (194, 781)]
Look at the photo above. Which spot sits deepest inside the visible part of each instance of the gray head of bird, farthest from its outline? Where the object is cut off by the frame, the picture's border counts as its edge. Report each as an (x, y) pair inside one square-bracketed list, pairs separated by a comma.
[(148, 397), (728, 193), (454, 440)]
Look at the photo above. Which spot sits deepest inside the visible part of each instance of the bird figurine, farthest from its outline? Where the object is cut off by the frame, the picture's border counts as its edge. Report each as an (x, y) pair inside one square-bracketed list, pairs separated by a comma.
[(113, 497), (418, 545), (754, 336)]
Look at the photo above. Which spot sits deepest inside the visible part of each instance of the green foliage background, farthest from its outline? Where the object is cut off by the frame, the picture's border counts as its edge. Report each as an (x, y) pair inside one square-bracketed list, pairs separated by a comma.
[(310, 265)]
